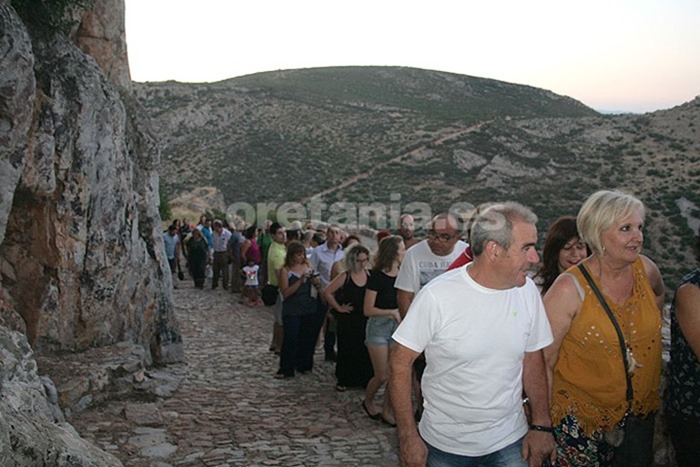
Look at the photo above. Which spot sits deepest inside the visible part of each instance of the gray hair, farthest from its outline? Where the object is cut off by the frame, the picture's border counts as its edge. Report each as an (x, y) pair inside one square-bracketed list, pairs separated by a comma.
[(495, 223), (600, 211)]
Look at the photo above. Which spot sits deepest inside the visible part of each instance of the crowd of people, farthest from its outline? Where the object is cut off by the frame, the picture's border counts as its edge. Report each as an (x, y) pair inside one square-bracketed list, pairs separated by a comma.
[(483, 360)]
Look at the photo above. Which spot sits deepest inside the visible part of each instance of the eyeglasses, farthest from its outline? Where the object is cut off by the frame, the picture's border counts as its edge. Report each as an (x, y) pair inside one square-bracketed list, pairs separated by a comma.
[(442, 237)]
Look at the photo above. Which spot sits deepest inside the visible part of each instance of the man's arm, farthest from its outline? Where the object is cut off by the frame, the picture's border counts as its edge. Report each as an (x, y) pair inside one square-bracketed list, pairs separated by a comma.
[(537, 445), (407, 284), (413, 451), (404, 300)]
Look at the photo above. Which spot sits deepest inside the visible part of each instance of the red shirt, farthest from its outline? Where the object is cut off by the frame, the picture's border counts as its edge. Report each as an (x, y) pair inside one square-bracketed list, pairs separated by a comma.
[(462, 259)]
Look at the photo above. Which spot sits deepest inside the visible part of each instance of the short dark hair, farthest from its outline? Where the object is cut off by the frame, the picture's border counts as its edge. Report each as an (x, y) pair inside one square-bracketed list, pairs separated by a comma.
[(274, 227), (250, 232), (319, 238), (349, 239)]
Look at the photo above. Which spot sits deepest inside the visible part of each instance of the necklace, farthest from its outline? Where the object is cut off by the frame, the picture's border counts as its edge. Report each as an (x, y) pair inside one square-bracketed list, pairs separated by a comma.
[(622, 313)]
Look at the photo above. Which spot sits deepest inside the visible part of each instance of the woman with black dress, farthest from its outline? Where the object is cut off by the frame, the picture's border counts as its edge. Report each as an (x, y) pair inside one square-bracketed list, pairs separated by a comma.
[(346, 295), (197, 254)]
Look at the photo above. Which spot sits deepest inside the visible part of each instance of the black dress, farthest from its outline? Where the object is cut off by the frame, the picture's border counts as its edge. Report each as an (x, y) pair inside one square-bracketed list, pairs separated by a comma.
[(353, 368), (198, 253)]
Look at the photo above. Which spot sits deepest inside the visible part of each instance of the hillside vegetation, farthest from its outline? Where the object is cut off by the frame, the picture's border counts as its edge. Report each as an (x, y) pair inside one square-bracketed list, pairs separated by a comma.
[(401, 136)]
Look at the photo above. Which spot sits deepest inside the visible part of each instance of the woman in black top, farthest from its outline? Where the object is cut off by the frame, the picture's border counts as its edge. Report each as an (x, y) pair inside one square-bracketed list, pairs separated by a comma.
[(197, 253), (297, 281), (346, 295), (383, 318)]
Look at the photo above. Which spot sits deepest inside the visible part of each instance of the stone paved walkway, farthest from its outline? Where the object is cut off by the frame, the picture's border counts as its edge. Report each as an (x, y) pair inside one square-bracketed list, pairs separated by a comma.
[(229, 410)]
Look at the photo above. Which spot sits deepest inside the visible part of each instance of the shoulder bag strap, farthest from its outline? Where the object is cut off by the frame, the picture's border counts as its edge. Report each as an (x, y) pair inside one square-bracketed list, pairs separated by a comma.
[(623, 347)]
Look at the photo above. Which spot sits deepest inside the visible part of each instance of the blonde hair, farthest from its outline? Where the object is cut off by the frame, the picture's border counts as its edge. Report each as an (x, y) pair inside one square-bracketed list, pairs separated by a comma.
[(600, 211)]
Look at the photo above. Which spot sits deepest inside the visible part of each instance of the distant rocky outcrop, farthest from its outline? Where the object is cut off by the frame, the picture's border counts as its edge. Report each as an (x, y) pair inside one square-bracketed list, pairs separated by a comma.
[(82, 264)]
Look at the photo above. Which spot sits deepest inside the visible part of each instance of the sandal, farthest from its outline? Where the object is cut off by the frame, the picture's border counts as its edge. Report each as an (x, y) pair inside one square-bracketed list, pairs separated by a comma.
[(388, 422), (375, 416)]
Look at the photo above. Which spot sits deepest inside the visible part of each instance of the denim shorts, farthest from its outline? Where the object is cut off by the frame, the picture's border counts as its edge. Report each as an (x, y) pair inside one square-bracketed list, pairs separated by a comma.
[(379, 330)]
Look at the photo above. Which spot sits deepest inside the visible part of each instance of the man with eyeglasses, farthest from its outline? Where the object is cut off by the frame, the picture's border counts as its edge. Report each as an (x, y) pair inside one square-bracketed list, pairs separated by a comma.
[(482, 327), (428, 258)]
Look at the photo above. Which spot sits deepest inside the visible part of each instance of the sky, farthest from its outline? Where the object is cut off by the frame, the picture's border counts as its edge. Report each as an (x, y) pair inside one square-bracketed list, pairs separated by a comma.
[(612, 55)]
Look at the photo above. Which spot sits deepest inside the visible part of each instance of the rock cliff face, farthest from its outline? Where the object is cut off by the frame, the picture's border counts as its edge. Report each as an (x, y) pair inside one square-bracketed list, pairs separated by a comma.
[(81, 255)]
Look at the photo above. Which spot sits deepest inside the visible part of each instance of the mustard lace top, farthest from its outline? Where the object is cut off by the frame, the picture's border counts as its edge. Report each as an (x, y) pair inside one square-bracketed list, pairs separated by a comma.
[(589, 376)]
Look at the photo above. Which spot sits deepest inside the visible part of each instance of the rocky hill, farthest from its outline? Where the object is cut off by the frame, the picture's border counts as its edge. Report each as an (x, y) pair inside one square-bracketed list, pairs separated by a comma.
[(402, 139)]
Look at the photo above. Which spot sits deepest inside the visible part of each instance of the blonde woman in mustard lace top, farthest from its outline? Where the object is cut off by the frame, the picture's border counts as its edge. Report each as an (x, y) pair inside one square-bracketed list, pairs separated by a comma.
[(585, 363)]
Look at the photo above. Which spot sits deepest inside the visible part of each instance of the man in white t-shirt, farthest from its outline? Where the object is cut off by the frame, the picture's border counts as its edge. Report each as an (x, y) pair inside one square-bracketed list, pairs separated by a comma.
[(482, 328), (428, 259)]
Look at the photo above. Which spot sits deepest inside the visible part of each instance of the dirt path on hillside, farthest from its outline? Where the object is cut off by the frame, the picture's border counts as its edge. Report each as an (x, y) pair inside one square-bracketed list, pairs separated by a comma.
[(369, 172)]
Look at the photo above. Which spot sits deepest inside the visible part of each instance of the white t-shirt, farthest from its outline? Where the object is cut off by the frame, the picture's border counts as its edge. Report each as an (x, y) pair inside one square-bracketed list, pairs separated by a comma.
[(420, 265), (474, 339), (251, 275)]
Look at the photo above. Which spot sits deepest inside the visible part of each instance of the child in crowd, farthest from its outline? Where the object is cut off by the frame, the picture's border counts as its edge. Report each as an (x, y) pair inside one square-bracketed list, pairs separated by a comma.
[(250, 272)]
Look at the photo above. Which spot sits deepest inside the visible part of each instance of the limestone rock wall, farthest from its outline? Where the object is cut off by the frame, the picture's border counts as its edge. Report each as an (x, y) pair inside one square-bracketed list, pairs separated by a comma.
[(82, 263), (32, 429), (101, 34), (81, 253)]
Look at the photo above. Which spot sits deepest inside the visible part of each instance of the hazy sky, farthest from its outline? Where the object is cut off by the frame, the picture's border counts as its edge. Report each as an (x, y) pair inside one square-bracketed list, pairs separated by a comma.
[(633, 55)]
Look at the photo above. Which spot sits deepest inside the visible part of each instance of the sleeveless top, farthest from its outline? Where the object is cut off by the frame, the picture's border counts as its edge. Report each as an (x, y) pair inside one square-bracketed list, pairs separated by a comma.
[(589, 376), (353, 294), (683, 396), (301, 302), (254, 252)]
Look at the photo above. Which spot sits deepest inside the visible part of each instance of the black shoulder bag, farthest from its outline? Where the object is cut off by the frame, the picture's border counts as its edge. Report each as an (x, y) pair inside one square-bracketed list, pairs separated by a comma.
[(270, 294)]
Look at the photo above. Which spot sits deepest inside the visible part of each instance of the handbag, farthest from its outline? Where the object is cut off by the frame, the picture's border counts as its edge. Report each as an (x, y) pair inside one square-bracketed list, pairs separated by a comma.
[(269, 294), (616, 435)]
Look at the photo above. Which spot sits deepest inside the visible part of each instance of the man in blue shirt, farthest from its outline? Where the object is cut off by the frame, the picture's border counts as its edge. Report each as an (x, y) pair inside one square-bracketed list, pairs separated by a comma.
[(322, 260), (171, 240)]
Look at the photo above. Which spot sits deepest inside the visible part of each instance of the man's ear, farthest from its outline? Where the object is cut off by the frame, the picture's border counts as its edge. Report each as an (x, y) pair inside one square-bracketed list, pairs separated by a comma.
[(492, 250)]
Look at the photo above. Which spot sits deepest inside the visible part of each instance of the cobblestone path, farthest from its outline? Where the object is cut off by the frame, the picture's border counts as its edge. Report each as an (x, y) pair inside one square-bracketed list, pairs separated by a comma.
[(229, 410)]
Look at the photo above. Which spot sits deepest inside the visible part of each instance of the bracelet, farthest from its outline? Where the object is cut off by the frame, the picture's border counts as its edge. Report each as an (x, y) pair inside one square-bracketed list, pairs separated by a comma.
[(546, 429)]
